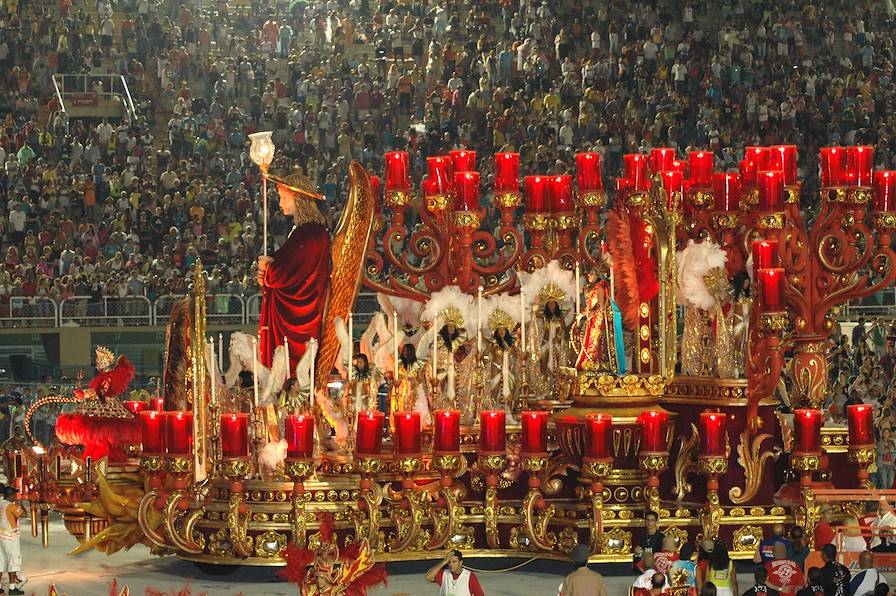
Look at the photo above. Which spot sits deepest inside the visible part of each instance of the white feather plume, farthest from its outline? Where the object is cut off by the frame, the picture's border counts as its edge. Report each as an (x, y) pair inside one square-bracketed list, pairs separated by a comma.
[(270, 390), (505, 302), (694, 262), (342, 362), (451, 296), (333, 415), (273, 454), (532, 283)]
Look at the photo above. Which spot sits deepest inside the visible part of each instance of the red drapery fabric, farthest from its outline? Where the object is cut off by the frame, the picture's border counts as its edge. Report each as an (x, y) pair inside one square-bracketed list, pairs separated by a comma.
[(297, 284)]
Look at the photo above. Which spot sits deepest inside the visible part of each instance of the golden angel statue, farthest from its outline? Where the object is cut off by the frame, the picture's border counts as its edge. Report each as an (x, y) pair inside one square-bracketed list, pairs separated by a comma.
[(502, 355)]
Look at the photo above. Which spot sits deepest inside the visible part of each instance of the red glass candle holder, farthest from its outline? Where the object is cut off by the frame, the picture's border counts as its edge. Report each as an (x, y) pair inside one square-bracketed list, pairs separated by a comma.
[(771, 190), (624, 185), (885, 190), (598, 436), (783, 158), (299, 436), (654, 431), (492, 431), (588, 172), (377, 193), (179, 433), (701, 165), (537, 194), (726, 188), (673, 182), (833, 165), (807, 431), (440, 171), (466, 189), (761, 156), (407, 433), (135, 407), (157, 404), (748, 173), (507, 172), (771, 289), (398, 171), (712, 433), (446, 431), (860, 161), (234, 434), (861, 425), (369, 433), (765, 256), (561, 194), (662, 159), (464, 160), (534, 435), (634, 168), (152, 432), (431, 187)]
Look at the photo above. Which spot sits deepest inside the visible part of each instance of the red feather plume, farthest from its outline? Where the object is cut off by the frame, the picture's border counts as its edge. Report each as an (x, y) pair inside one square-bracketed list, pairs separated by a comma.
[(101, 437), (625, 271), (114, 382), (645, 259)]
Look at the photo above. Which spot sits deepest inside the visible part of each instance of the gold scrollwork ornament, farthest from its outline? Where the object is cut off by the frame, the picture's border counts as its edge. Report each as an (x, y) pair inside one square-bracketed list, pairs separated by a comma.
[(508, 200), (863, 455), (886, 220), (713, 465), (771, 221), (466, 219)]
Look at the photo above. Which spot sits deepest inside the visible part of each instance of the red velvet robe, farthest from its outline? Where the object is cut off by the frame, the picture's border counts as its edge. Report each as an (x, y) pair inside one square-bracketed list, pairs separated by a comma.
[(297, 285)]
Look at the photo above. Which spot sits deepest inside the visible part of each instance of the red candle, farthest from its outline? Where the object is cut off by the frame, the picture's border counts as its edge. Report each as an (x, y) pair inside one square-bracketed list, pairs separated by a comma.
[(771, 190), (765, 255), (299, 436), (507, 172), (492, 436), (377, 193), (624, 184), (431, 187), (634, 168), (598, 436), (726, 188), (534, 438), (712, 433), (464, 160), (807, 431), (537, 194), (761, 156), (234, 434), (369, 435), (466, 186), (748, 172), (661, 159), (447, 431), (561, 194), (784, 159), (701, 163), (407, 433), (135, 407), (860, 161), (441, 173), (588, 172), (833, 165), (861, 425), (179, 435), (885, 190), (654, 431), (771, 289), (152, 431), (398, 171), (158, 404), (673, 182)]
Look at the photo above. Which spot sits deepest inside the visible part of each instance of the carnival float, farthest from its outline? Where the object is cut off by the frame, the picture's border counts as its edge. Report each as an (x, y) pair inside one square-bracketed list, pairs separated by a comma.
[(532, 381)]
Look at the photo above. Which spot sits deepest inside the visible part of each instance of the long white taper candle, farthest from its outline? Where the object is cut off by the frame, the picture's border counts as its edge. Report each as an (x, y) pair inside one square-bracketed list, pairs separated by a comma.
[(286, 347), (395, 340), (479, 321), (214, 379), (523, 320), (255, 372), (435, 347), (578, 287), (221, 352)]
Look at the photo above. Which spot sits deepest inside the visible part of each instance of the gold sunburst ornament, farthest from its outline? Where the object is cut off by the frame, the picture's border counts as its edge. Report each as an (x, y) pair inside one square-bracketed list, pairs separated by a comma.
[(105, 358), (451, 315), (499, 318), (551, 291)]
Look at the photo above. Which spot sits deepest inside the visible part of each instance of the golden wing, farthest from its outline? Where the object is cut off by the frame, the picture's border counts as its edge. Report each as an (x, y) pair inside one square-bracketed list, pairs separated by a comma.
[(347, 249)]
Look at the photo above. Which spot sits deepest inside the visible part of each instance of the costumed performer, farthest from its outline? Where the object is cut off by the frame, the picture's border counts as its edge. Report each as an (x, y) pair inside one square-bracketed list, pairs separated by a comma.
[(361, 379), (550, 292), (502, 357), (295, 279), (410, 389), (597, 332), (100, 422)]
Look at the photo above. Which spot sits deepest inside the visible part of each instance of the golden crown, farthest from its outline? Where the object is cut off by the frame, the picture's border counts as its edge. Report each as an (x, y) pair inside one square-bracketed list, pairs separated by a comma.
[(551, 292), (451, 315), (104, 357), (499, 318)]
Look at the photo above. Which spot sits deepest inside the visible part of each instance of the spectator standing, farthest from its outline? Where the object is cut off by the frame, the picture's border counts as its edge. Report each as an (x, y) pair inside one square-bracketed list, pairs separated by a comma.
[(835, 577), (583, 581), (10, 540), (457, 581), (868, 579)]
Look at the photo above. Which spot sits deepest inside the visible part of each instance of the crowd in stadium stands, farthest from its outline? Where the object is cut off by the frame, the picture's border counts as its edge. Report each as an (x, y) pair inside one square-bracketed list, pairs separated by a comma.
[(110, 208)]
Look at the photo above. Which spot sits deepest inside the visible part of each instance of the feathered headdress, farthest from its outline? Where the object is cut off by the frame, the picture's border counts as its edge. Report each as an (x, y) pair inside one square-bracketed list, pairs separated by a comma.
[(699, 268), (551, 282), (104, 358), (450, 305), (500, 312), (113, 383), (407, 309), (630, 239)]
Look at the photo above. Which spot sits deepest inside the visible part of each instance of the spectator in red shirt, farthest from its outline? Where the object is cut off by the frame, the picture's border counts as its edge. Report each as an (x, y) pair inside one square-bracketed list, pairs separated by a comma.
[(783, 574), (824, 531), (459, 581)]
